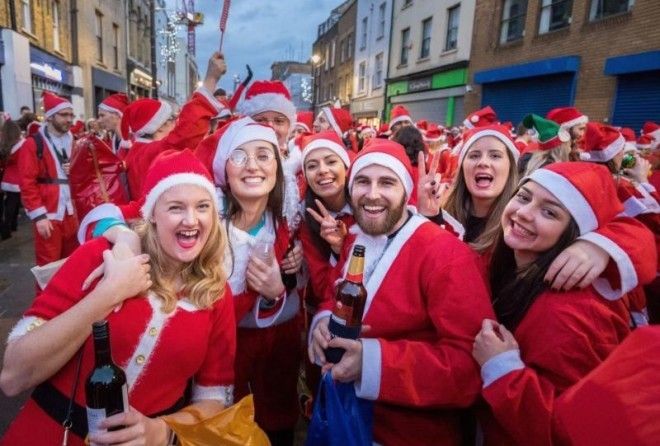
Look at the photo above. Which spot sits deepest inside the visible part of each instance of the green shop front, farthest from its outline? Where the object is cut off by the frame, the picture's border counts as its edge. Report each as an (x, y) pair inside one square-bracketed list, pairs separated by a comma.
[(435, 96)]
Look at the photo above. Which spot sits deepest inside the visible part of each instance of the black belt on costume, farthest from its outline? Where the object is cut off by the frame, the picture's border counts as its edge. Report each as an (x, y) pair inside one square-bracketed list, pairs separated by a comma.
[(52, 181), (55, 404)]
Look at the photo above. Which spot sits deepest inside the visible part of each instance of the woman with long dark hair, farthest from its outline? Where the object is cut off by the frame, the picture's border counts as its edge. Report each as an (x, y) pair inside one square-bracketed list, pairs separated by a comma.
[(10, 143), (557, 337)]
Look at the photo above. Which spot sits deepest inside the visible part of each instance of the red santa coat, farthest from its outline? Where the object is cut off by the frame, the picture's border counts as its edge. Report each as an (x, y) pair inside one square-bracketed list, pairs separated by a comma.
[(563, 336), (39, 199), (11, 179), (617, 403), (146, 343), (417, 361), (192, 125), (269, 348)]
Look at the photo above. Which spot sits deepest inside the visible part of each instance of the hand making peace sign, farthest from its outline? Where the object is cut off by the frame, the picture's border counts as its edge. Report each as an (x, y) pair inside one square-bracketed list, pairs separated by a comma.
[(332, 231)]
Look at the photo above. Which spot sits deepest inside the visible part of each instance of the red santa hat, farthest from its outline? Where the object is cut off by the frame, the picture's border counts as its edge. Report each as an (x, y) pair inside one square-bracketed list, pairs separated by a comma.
[(229, 138), (172, 168), (263, 96), (384, 129), (144, 117), (305, 120), (644, 142), (567, 117), (481, 118), (77, 129), (434, 133), (653, 130), (422, 125), (386, 153), (53, 103), (32, 128), (399, 114), (589, 195), (325, 140), (629, 137), (340, 120), (115, 103), (366, 130), (497, 131), (601, 143)]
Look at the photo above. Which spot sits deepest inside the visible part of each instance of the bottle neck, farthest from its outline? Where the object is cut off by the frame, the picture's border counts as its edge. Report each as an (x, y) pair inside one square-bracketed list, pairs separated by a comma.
[(102, 351), (355, 269)]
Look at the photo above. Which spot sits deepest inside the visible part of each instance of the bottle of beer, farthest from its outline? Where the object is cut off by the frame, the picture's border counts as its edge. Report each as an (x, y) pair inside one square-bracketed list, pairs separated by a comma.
[(105, 388), (346, 319)]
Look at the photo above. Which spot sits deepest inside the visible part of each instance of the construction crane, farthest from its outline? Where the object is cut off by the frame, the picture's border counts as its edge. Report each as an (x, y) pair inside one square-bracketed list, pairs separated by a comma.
[(191, 19)]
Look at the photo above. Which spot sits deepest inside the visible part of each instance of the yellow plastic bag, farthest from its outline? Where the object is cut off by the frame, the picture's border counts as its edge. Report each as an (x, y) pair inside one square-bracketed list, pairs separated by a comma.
[(233, 426)]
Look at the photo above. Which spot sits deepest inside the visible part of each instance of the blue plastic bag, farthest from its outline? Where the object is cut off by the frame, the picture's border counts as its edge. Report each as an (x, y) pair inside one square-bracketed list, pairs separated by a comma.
[(340, 418)]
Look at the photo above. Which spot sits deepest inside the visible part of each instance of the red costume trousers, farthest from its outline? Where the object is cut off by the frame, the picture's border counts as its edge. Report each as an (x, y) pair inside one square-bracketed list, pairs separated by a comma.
[(61, 243)]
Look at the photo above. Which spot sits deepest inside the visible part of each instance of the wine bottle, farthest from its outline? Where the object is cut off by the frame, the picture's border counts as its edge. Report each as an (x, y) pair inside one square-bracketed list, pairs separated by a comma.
[(105, 387), (351, 297)]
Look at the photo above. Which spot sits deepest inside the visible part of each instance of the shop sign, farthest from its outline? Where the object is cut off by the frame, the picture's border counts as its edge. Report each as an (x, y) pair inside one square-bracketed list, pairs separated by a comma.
[(419, 84), (47, 71)]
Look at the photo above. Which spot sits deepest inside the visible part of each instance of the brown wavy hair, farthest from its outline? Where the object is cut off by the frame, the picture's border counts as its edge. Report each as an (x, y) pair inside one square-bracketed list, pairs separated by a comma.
[(459, 205), (204, 278)]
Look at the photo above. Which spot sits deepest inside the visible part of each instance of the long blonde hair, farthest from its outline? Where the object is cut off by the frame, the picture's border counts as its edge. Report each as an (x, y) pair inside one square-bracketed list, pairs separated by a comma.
[(543, 158), (459, 205), (204, 279)]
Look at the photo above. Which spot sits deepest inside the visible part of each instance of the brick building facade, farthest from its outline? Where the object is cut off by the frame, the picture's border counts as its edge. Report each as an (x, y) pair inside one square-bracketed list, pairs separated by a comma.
[(603, 57)]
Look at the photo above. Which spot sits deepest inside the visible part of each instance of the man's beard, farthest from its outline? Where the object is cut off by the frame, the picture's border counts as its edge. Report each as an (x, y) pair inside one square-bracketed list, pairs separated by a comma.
[(61, 128), (384, 226)]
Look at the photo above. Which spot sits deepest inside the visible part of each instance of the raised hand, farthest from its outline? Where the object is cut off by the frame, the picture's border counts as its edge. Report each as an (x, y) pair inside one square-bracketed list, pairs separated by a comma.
[(429, 189), (332, 231), (264, 278)]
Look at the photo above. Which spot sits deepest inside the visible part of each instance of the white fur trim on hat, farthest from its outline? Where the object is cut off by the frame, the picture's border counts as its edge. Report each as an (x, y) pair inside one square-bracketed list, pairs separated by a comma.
[(303, 126), (158, 119), (627, 275), (58, 108), (331, 119), (488, 132), (609, 152), (385, 160), (400, 119), (326, 144), (174, 180), (233, 137), (573, 122), (569, 196), (268, 102), (106, 107)]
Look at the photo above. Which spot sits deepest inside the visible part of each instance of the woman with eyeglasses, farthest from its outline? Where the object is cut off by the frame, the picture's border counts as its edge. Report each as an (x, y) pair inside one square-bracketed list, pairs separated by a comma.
[(262, 270)]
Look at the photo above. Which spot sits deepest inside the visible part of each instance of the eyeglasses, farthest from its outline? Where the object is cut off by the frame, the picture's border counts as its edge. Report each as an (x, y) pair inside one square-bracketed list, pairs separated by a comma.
[(263, 157), (65, 115)]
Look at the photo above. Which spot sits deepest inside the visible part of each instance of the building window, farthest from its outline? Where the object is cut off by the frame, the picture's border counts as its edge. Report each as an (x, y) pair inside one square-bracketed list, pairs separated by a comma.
[(605, 8), (405, 46), (327, 58), (27, 16), (363, 34), (362, 74), (513, 20), (425, 49), (98, 31), (348, 88), (115, 46), (56, 26), (381, 20), (406, 3), (555, 14), (333, 53), (349, 46), (378, 75), (453, 15), (342, 50)]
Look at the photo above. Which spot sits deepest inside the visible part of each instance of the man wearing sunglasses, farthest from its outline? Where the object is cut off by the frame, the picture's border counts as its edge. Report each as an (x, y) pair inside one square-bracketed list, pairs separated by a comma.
[(44, 165)]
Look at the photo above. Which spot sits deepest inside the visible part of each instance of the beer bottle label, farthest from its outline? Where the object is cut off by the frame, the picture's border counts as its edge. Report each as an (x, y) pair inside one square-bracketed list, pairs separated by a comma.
[(342, 313)]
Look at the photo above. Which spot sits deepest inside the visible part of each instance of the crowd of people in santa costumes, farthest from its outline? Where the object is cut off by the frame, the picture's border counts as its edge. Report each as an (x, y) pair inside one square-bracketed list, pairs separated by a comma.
[(562, 264)]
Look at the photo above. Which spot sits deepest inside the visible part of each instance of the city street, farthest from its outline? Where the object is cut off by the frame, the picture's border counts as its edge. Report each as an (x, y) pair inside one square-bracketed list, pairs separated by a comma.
[(16, 294)]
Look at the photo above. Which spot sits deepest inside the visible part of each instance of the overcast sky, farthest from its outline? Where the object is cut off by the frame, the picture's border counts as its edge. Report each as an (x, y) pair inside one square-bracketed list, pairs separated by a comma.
[(259, 32)]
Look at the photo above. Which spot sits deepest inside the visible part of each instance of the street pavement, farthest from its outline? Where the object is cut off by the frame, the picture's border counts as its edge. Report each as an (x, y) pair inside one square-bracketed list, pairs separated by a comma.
[(16, 294)]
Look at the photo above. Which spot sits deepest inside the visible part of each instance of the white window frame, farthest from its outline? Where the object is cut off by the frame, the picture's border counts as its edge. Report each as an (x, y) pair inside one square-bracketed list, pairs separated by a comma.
[(545, 15), (381, 20), (405, 47), (451, 39), (378, 72), (115, 46), (427, 26), (26, 8), (333, 53), (98, 34), (56, 26), (594, 13), (363, 33), (362, 77), (507, 20)]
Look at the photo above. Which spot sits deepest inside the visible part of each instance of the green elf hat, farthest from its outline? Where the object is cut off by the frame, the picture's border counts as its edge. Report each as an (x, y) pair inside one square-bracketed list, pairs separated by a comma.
[(551, 135)]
